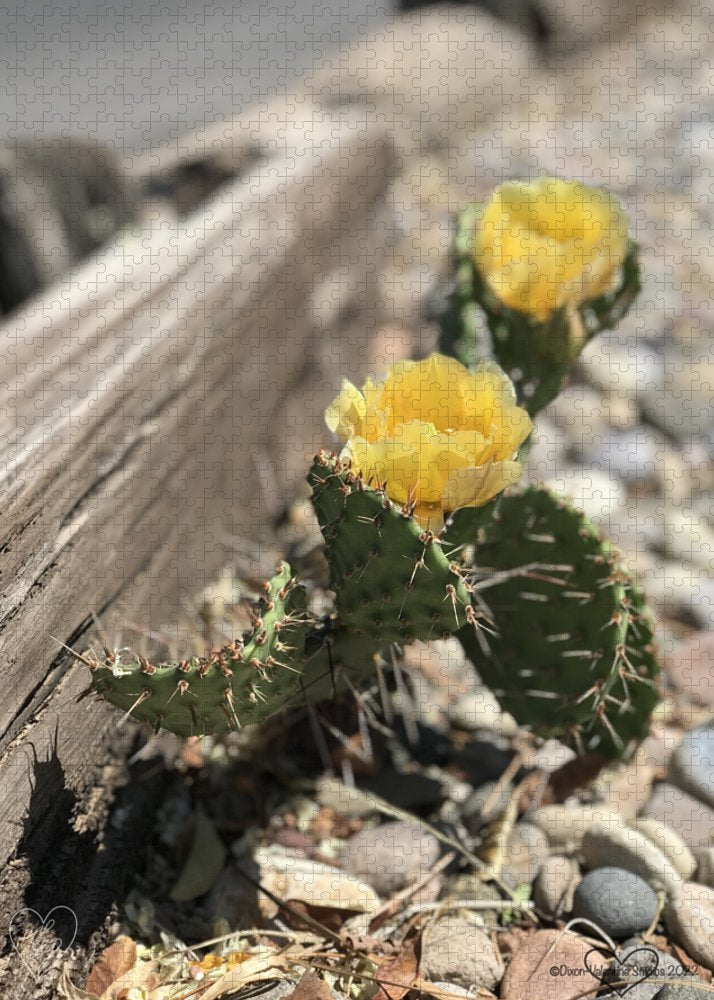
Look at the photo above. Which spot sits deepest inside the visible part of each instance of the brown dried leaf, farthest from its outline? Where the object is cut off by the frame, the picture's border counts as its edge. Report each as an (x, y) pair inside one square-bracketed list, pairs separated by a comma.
[(310, 987), (396, 976), (114, 961), (66, 989)]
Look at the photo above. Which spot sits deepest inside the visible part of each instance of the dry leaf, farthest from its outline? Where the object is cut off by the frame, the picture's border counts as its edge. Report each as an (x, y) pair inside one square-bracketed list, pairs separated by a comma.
[(396, 976), (66, 989), (114, 961), (310, 987), (263, 966), (142, 976)]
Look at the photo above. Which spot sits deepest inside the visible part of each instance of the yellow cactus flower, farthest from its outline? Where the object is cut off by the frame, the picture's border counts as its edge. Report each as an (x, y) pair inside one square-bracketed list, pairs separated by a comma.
[(546, 243), (433, 433)]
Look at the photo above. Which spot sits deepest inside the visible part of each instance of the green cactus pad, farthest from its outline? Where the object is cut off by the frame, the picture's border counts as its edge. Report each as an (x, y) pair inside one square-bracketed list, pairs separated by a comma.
[(390, 576), (572, 655), (242, 683)]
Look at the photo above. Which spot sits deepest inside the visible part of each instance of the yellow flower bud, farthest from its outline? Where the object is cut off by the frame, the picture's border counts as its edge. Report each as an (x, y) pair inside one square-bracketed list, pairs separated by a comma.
[(546, 243), (433, 433)]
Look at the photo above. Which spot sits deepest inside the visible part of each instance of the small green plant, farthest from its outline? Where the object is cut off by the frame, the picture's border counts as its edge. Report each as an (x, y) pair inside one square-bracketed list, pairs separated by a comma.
[(426, 536)]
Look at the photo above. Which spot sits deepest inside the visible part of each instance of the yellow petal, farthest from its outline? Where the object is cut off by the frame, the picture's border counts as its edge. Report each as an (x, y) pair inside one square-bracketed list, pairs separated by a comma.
[(474, 487), (345, 415), (427, 391), (544, 243)]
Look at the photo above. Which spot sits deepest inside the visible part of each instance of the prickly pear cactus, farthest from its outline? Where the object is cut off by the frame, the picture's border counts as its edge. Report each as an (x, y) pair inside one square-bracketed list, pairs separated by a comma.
[(390, 576), (572, 655), (242, 683), (537, 354)]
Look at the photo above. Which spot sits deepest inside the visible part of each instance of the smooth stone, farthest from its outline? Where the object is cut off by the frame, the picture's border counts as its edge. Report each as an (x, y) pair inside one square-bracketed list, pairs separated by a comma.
[(479, 710), (669, 842), (531, 971), (636, 957), (565, 825), (555, 885), (627, 788), (705, 868), (618, 845), (496, 796), (390, 855), (618, 901), (689, 916), (453, 950), (691, 766), (683, 990), (691, 667), (526, 850), (691, 819)]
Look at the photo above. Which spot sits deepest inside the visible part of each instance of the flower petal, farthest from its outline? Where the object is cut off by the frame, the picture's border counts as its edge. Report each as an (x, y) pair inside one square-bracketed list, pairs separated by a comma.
[(345, 415), (474, 487)]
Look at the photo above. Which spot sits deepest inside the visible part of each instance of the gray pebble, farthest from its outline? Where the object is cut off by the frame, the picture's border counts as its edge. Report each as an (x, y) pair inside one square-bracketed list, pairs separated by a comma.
[(684, 991), (618, 901), (388, 856), (635, 959), (691, 766)]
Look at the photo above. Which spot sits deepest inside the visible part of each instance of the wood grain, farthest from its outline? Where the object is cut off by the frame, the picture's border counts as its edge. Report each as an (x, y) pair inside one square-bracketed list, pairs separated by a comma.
[(147, 415)]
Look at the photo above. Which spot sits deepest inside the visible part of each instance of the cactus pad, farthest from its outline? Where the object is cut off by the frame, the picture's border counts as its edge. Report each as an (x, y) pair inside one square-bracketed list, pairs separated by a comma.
[(573, 655), (244, 682), (391, 577)]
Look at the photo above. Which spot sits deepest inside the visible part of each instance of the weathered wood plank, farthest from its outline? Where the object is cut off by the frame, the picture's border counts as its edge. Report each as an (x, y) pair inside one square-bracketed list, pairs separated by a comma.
[(144, 417)]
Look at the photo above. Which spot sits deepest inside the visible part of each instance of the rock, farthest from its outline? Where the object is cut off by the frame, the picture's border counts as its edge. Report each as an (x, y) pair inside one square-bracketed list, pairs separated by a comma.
[(637, 959), (669, 843), (705, 867), (479, 710), (411, 790), (692, 764), (483, 760), (526, 850), (689, 916), (485, 803), (618, 901), (468, 886), (555, 884), (615, 844), (691, 819), (600, 496), (453, 950), (627, 788), (658, 747), (630, 455), (289, 877), (565, 825), (549, 965), (689, 988), (331, 793), (390, 855), (691, 667)]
